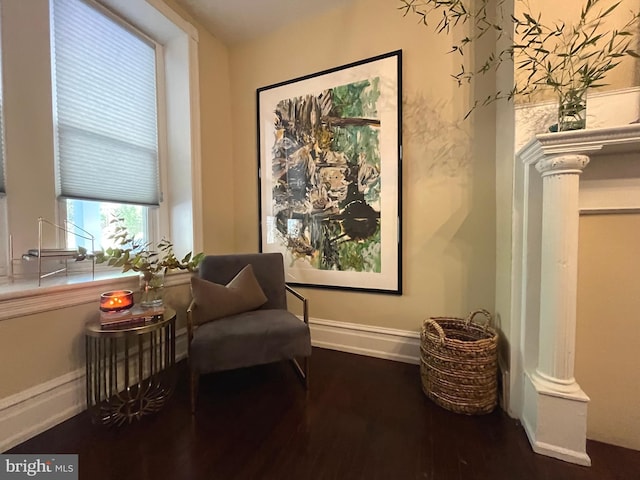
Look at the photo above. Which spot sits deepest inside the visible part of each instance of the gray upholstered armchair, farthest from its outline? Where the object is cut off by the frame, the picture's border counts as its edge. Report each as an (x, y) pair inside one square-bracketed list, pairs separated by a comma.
[(263, 331)]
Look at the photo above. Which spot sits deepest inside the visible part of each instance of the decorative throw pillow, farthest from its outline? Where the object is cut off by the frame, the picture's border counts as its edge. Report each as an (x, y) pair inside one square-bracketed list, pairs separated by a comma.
[(215, 301)]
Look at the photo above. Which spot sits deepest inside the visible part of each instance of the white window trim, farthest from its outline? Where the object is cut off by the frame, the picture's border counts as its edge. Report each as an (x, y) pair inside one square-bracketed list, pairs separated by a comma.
[(158, 218)]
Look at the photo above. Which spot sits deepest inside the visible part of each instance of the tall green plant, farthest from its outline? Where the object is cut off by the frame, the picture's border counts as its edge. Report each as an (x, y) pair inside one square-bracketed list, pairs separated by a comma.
[(566, 58)]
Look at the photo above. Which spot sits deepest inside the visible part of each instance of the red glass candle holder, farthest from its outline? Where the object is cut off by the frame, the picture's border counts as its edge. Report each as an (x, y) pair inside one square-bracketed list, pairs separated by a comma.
[(116, 300)]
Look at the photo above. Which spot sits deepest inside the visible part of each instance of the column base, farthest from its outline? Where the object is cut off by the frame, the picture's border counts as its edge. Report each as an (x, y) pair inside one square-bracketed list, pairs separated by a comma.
[(556, 419)]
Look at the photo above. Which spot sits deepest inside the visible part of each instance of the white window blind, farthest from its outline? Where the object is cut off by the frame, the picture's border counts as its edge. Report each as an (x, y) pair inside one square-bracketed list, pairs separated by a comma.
[(105, 107)]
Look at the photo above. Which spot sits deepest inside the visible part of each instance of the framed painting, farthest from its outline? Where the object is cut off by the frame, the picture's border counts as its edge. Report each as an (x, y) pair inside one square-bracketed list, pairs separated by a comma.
[(329, 152)]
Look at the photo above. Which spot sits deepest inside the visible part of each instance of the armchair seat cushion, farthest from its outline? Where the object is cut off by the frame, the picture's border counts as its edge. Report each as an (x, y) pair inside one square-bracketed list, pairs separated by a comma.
[(261, 336)]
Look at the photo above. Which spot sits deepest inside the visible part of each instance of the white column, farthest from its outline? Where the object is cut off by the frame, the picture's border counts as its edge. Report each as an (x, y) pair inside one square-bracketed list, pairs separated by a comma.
[(559, 270), (555, 413)]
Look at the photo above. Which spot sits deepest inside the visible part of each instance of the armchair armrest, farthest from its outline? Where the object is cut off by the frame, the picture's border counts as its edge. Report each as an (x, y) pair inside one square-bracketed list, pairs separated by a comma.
[(305, 307)]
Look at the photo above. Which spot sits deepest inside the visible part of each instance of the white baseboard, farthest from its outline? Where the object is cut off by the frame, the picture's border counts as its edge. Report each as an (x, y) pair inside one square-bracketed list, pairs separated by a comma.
[(39, 408), (35, 410), (387, 343)]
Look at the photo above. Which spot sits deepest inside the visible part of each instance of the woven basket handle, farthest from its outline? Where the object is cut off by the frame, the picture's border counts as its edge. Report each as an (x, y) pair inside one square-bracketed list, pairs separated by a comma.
[(436, 327), (487, 315)]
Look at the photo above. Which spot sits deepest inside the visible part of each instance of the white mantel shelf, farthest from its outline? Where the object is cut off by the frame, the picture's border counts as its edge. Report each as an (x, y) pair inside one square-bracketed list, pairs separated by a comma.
[(558, 176), (594, 142), (611, 181)]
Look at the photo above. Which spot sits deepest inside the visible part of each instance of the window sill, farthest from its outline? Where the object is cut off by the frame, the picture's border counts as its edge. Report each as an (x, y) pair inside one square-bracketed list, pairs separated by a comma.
[(23, 297)]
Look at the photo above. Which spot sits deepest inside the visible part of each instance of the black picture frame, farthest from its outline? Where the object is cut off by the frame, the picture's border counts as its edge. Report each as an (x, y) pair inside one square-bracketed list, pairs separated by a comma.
[(330, 175)]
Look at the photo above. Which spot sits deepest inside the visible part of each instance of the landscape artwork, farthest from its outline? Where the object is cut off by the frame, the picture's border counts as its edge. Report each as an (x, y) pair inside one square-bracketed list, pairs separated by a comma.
[(330, 175)]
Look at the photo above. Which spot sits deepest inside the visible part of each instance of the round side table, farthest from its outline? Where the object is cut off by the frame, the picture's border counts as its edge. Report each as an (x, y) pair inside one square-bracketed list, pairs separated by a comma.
[(130, 370)]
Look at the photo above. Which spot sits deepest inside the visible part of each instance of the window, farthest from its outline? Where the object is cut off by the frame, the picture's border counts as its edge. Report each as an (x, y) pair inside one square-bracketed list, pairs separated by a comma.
[(106, 126), (32, 182), (94, 217)]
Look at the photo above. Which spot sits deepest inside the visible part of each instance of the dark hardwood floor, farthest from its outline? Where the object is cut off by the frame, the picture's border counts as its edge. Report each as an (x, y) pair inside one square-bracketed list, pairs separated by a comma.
[(363, 418)]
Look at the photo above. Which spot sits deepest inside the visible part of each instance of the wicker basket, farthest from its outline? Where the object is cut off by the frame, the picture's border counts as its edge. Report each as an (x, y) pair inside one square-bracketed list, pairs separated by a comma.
[(459, 364)]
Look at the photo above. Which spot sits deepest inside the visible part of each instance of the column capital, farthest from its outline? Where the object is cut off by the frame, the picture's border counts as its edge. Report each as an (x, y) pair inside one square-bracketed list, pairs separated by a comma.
[(562, 164)]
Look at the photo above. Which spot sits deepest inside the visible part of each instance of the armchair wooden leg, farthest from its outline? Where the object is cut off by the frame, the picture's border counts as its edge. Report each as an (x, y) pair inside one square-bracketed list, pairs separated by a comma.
[(194, 379)]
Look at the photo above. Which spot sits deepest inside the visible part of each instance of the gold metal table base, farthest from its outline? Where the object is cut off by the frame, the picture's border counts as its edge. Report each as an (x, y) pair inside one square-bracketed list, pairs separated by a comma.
[(130, 371)]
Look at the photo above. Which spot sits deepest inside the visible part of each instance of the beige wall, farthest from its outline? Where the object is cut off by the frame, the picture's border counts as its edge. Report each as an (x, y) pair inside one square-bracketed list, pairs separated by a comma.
[(448, 192), (608, 328), (41, 347), (217, 166)]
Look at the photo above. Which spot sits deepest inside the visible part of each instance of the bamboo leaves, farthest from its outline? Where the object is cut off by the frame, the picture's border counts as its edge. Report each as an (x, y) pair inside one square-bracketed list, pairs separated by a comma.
[(569, 59)]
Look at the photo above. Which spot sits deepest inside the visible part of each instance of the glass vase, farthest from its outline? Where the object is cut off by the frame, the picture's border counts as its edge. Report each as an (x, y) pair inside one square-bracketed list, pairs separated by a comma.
[(572, 110), (151, 289)]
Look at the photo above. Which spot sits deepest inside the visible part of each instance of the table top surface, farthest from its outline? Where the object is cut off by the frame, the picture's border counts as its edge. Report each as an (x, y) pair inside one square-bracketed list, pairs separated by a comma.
[(95, 329)]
